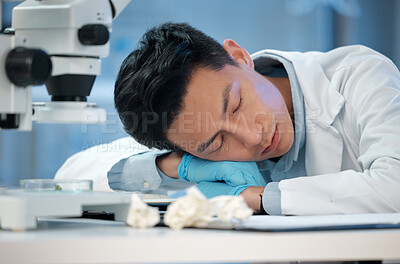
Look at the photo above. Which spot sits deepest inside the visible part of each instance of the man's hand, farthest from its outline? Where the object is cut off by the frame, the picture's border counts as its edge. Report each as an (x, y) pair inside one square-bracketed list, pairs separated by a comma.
[(234, 173), (252, 196)]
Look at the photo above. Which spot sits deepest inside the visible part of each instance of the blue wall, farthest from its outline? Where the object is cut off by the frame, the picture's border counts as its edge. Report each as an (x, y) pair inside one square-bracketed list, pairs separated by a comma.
[(255, 24)]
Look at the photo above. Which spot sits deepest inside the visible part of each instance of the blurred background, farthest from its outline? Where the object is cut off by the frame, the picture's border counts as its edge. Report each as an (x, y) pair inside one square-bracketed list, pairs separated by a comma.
[(298, 25)]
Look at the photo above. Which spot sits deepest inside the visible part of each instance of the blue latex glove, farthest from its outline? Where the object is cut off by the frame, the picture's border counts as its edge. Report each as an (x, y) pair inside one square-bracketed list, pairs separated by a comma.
[(234, 173), (212, 189)]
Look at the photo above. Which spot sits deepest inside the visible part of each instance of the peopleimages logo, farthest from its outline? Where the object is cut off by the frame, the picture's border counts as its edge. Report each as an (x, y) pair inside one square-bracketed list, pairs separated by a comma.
[(112, 125), (193, 123), (196, 122)]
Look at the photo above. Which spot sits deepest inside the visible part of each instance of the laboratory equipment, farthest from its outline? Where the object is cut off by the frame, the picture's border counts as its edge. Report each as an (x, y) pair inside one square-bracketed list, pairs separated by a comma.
[(58, 43), (20, 209)]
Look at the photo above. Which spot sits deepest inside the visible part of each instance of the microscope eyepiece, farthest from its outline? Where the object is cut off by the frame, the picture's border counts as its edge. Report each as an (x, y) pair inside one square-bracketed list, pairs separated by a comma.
[(26, 67)]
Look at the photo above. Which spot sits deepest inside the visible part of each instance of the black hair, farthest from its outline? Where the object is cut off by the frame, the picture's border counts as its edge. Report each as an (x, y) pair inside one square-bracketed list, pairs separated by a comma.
[(151, 83)]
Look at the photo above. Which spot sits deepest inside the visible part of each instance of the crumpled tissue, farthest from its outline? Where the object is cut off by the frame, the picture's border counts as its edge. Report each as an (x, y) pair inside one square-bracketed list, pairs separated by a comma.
[(195, 210), (141, 215), (190, 210), (228, 207)]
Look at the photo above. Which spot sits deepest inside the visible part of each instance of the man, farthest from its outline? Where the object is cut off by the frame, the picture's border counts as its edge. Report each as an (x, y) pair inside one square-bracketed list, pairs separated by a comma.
[(293, 133)]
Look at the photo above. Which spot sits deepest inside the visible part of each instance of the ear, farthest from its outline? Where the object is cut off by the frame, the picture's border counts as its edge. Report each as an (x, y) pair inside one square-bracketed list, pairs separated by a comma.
[(238, 53)]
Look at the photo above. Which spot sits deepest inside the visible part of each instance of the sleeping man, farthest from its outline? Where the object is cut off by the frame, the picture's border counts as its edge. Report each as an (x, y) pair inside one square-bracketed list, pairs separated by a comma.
[(293, 133)]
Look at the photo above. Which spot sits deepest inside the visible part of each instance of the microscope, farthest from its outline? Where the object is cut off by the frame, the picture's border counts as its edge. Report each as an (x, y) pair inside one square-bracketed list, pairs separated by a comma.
[(57, 43)]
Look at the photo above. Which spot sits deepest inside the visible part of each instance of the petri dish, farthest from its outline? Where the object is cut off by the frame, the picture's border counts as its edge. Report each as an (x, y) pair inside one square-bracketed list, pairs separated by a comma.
[(54, 185)]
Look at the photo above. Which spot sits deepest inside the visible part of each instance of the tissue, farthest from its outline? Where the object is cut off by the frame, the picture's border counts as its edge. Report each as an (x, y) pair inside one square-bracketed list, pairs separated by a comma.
[(190, 210), (141, 215), (228, 207), (195, 210)]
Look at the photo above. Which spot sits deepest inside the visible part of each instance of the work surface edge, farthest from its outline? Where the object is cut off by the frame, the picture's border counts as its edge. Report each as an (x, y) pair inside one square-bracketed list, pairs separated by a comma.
[(95, 241)]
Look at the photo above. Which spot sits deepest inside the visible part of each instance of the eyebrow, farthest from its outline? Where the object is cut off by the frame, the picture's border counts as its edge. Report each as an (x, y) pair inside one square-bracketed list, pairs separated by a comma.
[(225, 102)]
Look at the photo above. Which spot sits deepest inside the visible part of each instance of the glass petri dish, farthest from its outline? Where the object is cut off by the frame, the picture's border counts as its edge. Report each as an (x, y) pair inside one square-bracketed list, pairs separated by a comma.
[(54, 185)]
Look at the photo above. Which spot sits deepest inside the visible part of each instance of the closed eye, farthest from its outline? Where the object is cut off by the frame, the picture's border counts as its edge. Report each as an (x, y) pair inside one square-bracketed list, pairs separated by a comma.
[(240, 103), (222, 143), (222, 136)]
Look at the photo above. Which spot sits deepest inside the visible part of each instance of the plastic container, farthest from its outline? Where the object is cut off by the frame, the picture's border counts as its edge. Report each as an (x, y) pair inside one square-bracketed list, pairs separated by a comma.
[(54, 185)]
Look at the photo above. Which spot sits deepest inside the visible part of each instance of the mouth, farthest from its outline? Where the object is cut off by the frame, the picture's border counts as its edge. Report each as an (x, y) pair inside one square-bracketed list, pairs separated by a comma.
[(274, 142)]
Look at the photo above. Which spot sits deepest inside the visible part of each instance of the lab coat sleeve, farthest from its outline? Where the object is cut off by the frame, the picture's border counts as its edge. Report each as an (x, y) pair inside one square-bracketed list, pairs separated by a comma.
[(371, 86), (125, 162)]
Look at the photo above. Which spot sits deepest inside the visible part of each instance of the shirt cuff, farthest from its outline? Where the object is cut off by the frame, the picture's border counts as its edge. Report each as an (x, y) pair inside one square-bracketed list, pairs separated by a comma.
[(271, 199), (136, 173)]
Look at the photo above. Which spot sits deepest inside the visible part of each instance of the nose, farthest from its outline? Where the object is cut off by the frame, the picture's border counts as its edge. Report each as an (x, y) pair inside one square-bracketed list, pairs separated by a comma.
[(250, 136)]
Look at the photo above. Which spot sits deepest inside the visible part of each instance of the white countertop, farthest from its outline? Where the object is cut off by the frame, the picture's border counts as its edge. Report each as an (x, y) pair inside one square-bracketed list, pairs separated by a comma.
[(98, 241)]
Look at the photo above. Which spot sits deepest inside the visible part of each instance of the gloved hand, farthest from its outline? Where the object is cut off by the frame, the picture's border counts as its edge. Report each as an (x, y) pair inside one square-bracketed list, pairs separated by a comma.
[(234, 173), (212, 189)]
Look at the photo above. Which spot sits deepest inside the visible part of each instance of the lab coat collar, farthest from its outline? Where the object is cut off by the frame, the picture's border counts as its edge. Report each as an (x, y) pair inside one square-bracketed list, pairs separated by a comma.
[(324, 101)]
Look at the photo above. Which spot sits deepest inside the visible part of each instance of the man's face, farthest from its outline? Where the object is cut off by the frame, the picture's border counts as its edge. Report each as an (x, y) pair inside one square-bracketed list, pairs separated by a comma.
[(232, 114)]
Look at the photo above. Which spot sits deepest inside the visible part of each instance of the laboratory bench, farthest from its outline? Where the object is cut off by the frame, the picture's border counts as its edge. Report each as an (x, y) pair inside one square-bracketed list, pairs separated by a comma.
[(100, 241)]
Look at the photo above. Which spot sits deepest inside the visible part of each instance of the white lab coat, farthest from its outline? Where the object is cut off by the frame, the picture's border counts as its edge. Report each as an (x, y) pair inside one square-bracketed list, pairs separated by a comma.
[(352, 104)]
